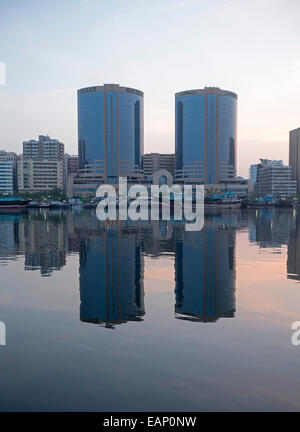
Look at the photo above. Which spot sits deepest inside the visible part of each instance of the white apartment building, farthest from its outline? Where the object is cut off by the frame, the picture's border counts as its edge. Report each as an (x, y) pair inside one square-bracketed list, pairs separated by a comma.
[(275, 178), (41, 167), (40, 175), (8, 173)]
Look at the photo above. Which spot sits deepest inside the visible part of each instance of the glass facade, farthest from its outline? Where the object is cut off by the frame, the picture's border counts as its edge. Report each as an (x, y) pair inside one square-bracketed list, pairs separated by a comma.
[(110, 130), (206, 135)]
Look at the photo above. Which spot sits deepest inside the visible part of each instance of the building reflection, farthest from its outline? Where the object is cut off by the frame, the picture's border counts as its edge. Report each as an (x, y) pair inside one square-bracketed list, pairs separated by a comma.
[(205, 272), (271, 227), (293, 261), (111, 257), (43, 241), (9, 236), (111, 274), (157, 238)]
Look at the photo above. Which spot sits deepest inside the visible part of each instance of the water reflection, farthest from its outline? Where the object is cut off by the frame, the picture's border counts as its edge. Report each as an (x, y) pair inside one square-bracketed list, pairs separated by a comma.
[(293, 261), (111, 277), (9, 237), (43, 240), (271, 227), (111, 258), (105, 268), (205, 273)]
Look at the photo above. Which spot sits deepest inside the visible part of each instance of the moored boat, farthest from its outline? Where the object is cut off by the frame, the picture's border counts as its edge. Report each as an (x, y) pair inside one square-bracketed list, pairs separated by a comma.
[(13, 204), (227, 200)]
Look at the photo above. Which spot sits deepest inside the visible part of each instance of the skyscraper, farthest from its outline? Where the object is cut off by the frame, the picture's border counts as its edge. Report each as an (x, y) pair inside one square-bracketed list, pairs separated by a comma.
[(205, 135), (295, 156), (110, 131)]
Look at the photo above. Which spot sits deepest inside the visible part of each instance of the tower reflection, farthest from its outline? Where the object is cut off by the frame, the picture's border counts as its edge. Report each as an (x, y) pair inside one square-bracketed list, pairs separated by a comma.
[(205, 272), (43, 241), (111, 276), (293, 261), (9, 237)]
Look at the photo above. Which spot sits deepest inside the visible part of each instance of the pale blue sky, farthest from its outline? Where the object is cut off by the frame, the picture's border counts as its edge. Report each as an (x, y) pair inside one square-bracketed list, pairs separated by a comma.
[(52, 48)]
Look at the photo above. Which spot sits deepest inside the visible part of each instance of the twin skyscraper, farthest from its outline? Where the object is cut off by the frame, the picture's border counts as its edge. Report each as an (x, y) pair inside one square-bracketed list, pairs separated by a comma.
[(111, 135)]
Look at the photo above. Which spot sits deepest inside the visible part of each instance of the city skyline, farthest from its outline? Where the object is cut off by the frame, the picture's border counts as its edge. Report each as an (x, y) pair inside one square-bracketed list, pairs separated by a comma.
[(48, 60)]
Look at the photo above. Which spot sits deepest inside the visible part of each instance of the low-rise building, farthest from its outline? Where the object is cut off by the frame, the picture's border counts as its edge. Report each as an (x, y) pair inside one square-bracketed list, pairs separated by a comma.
[(238, 186), (275, 178), (40, 175), (153, 162)]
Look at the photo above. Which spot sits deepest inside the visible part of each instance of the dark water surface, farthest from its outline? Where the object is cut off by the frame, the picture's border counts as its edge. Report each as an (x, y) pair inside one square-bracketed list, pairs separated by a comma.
[(146, 316)]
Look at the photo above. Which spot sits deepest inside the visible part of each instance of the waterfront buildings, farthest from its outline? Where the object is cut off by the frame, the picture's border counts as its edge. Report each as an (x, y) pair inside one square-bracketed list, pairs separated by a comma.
[(110, 140), (8, 173), (275, 178), (153, 162), (41, 167), (205, 135), (295, 156), (110, 144)]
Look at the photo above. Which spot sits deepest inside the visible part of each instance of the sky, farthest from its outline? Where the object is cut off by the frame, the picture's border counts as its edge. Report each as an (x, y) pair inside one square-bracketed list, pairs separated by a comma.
[(49, 49)]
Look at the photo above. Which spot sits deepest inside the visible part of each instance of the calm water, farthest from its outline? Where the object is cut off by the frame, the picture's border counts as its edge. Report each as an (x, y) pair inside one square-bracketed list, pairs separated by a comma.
[(146, 316)]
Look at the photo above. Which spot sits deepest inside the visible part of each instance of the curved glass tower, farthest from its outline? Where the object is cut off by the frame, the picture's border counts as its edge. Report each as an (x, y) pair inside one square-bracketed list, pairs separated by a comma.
[(205, 135), (110, 131)]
